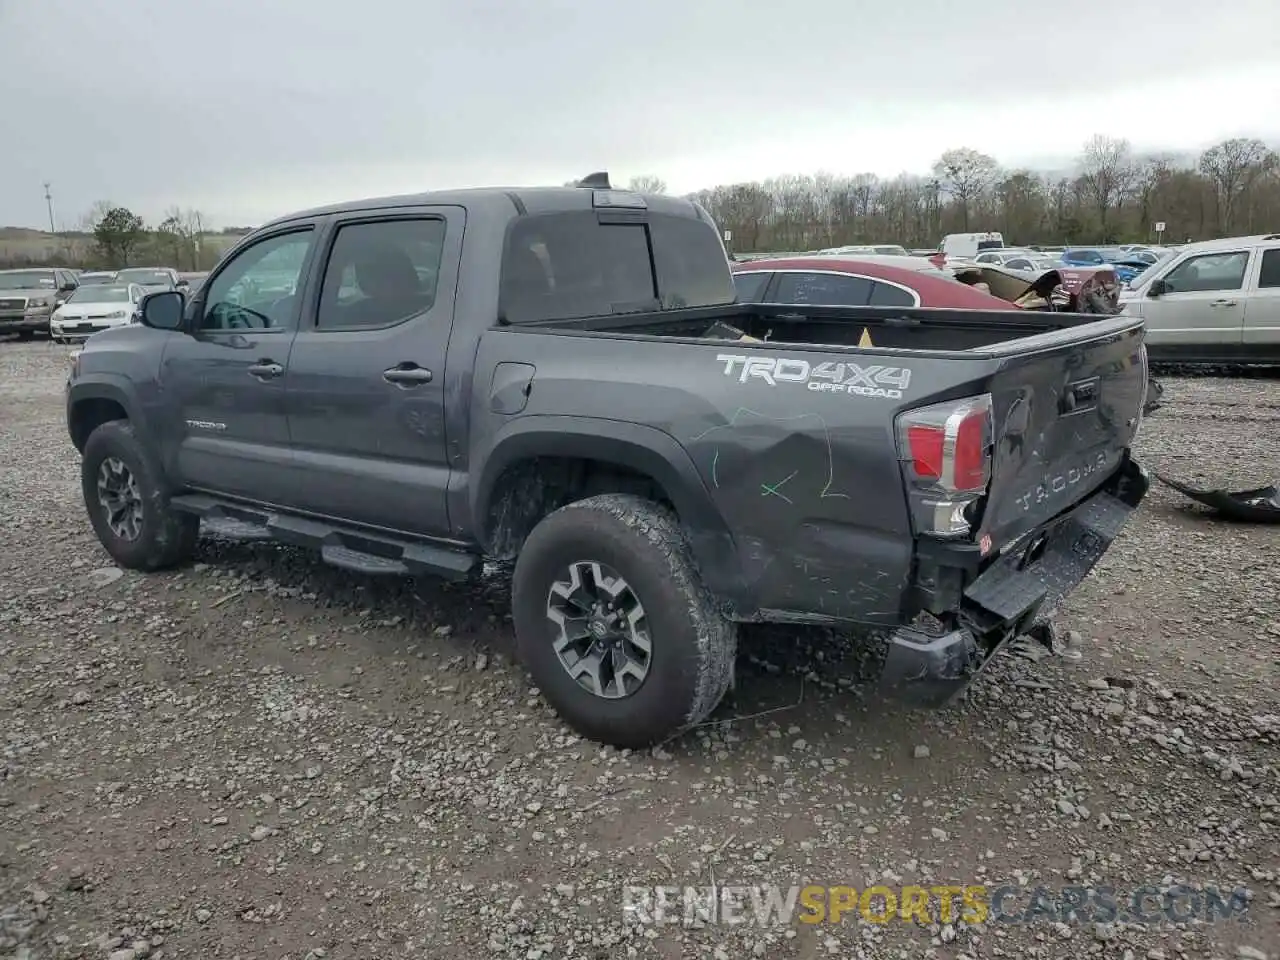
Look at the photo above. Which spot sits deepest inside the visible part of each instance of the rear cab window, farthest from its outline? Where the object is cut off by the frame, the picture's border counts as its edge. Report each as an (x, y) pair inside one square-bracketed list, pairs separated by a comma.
[(570, 265)]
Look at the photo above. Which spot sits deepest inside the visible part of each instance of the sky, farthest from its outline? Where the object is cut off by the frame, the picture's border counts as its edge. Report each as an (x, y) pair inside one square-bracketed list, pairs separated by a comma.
[(250, 109)]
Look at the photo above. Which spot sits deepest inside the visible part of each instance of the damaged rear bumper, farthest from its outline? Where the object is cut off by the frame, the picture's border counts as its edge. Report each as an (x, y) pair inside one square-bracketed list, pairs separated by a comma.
[(1016, 589)]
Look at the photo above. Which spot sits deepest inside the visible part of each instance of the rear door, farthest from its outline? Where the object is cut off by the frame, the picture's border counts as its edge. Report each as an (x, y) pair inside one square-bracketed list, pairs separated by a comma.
[(1262, 311), (1062, 417), (1202, 309), (366, 386)]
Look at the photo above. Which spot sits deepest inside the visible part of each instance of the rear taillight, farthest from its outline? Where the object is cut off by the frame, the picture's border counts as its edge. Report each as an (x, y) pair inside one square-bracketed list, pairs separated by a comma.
[(946, 457)]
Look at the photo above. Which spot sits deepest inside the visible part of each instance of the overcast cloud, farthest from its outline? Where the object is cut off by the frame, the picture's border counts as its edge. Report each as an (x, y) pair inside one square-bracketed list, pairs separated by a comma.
[(247, 109)]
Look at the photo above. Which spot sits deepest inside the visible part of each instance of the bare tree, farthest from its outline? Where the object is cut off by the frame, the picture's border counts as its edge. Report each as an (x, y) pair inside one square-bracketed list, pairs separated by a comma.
[(966, 175), (1106, 173), (1233, 167), (647, 183)]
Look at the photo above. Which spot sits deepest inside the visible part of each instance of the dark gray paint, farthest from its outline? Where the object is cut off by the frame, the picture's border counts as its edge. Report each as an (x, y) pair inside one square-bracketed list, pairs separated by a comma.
[(794, 499)]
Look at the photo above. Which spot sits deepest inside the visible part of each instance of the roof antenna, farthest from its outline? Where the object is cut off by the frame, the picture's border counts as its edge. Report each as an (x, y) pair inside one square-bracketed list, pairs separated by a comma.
[(596, 181)]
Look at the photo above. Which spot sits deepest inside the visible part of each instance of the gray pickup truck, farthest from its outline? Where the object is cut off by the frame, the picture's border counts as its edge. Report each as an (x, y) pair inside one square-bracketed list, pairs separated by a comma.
[(561, 376)]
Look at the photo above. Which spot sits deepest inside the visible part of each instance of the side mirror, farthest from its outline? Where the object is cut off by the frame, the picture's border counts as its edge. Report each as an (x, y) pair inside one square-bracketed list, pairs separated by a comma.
[(1157, 288), (68, 287), (163, 310), (182, 284)]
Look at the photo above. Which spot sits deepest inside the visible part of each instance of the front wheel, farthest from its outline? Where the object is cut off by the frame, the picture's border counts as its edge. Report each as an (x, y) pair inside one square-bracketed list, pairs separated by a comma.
[(615, 625), (128, 504)]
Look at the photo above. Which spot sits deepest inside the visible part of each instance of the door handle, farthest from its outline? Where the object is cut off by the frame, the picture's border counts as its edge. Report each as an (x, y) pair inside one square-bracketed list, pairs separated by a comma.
[(407, 375), (1223, 303), (266, 370)]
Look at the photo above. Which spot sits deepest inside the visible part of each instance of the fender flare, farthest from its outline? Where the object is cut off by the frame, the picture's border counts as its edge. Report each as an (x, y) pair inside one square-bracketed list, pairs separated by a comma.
[(644, 449), (105, 386)]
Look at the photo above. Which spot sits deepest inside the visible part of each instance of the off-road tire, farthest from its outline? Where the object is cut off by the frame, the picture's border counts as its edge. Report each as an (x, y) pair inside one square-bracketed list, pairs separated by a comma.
[(693, 644), (168, 536)]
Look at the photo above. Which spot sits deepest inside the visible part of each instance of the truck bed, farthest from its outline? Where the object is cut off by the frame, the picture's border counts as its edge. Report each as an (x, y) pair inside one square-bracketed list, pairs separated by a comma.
[(793, 438), (929, 330)]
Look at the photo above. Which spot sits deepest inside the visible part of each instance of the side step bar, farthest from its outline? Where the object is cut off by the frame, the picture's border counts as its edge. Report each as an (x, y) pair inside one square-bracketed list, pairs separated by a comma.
[(345, 547)]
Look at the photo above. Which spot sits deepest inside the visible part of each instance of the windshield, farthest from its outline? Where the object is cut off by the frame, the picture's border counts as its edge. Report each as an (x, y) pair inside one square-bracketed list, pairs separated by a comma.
[(99, 293), (27, 280), (149, 277), (892, 251), (990, 244)]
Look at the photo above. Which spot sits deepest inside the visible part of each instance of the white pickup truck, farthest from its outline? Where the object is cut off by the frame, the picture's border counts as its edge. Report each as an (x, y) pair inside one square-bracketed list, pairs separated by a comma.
[(1211, 302)]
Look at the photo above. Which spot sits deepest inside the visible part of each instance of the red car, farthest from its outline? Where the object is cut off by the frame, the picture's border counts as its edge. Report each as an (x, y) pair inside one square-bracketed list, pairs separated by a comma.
[(846, 281)]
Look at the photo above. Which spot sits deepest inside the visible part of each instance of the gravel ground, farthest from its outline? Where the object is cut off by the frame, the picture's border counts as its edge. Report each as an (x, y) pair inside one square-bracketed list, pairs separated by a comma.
[(260, 757)]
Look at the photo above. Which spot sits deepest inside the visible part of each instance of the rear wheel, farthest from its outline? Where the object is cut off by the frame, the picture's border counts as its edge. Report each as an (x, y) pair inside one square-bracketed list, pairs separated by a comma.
[(615, 625), (128, 504)]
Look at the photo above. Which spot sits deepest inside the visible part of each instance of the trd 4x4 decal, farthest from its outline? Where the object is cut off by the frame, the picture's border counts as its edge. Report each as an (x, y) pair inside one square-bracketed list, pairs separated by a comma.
[(827, 377)]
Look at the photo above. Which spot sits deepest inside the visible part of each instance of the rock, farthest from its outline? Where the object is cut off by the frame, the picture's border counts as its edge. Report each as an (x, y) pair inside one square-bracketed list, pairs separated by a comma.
[(921, 752)]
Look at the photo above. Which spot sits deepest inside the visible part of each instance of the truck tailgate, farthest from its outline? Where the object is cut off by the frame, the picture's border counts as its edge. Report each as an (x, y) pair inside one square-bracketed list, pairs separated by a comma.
[(1063, 418)]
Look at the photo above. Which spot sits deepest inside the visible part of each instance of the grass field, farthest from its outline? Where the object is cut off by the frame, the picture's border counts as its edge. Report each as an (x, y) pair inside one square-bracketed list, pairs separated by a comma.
[(22, 244)]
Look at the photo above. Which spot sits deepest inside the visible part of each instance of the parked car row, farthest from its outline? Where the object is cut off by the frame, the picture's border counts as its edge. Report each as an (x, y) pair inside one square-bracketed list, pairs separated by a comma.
[(1211, 302), (30, 299)]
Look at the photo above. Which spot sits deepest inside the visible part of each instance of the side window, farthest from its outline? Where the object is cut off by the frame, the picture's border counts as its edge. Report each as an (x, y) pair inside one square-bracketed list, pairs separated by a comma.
[(750, 286), (1019, 264), (823, 289), (1269, 275), (256, 289), (887, 295), (1209, 271), (381, 273)]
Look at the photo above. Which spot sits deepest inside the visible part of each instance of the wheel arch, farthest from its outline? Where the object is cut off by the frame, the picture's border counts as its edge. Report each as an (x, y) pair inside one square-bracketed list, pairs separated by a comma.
[(630, 451), (94, 401)]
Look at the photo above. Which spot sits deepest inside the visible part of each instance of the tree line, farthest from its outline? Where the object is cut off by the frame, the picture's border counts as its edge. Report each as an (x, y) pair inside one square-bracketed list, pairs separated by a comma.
[(1111, 196), (113, 236)]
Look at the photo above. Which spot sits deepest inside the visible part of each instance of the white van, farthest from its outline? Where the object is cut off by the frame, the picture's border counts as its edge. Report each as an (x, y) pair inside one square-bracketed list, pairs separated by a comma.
[(966, 246), (1211, 302)]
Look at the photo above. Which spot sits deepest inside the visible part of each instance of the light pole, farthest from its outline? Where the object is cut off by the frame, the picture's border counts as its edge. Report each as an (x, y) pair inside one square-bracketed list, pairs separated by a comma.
[(48, 200)]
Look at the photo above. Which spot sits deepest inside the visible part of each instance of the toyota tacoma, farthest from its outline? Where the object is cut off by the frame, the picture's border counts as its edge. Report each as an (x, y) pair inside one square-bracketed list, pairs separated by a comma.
[(561, 377)]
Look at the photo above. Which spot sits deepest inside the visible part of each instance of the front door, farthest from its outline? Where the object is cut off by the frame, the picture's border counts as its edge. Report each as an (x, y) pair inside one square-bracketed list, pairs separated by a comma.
[(366, 384), (226, 379), (1202, 308)]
